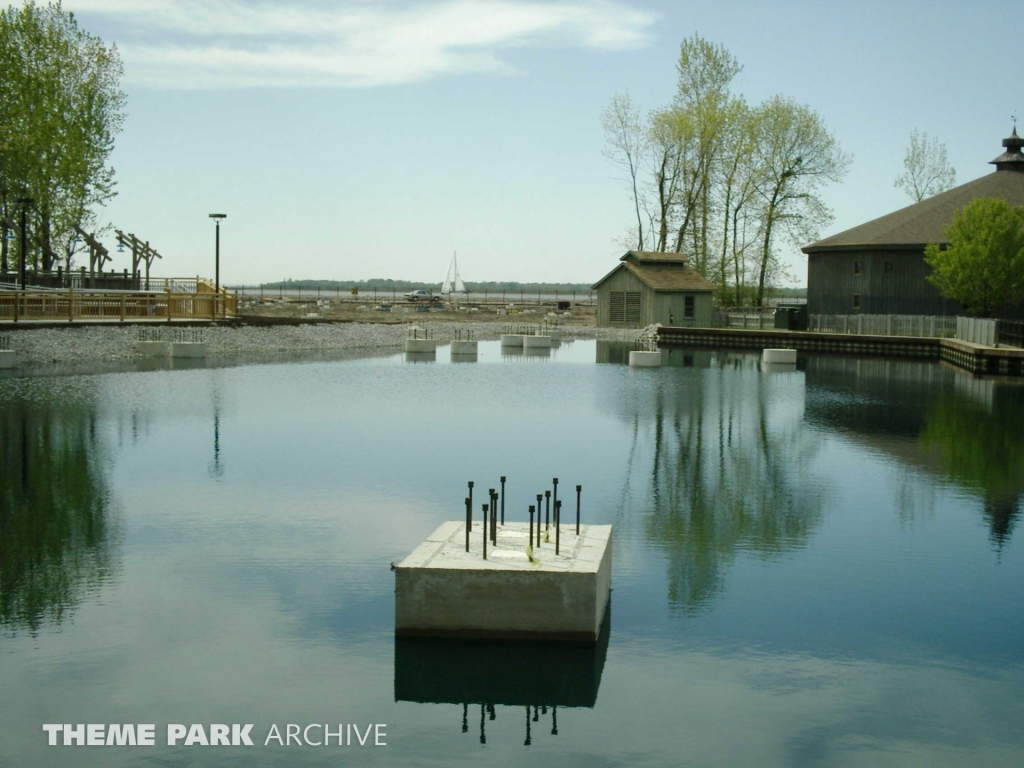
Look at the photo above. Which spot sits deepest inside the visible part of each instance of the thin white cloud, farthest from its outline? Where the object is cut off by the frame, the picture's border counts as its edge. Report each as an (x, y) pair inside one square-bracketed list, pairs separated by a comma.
[(235, 43)]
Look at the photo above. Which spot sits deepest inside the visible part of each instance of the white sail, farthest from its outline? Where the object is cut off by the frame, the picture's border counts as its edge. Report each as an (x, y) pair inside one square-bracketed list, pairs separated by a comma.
[(452, 281)]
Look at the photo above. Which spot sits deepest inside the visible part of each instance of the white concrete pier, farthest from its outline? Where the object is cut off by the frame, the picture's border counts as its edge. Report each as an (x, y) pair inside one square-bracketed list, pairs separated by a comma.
[(461, 347), (421, 345), (511, 340), (151, 348), (193, 349), (443, 590), (537, 342), (644, 359), (778, 356)]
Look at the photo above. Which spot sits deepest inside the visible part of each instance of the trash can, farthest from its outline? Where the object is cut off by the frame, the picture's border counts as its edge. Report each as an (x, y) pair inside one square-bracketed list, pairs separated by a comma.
[(791, 318)]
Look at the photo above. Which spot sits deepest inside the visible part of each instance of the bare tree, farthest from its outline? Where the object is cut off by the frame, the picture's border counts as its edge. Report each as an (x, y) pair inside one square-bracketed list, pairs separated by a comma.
[(926, 167), (626, 145)]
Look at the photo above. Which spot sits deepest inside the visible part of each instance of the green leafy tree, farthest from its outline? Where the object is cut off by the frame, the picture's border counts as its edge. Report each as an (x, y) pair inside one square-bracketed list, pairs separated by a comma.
[(60, 109), (982, 267), (797, 155)]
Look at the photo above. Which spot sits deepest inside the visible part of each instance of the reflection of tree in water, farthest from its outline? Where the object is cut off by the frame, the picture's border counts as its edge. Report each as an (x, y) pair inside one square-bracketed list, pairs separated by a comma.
[(55, 526), (729, 470), (932, 418), (982, 449)]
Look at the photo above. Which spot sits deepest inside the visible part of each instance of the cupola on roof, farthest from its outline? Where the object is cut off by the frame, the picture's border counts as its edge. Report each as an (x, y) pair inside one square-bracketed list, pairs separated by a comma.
[(1011, 159)]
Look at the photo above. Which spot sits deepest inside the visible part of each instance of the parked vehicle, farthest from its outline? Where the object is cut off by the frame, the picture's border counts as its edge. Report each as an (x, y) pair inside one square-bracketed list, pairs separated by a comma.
[(421, 296)]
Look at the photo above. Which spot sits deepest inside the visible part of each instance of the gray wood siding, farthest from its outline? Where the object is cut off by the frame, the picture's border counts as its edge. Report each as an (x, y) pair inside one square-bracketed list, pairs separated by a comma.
[(832, 283), (625, 281), (673, 304)]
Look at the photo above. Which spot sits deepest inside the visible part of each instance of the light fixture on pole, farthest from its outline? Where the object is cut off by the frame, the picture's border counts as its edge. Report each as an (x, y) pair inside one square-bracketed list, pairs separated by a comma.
[(24, 202), (216, 275)]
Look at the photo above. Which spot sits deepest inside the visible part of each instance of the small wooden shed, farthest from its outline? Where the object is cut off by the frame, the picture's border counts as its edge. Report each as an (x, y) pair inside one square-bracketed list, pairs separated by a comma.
[(648, 287)]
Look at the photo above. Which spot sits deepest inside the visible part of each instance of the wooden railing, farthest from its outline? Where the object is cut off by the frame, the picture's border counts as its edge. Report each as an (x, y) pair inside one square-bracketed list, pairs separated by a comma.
[(72, 305)]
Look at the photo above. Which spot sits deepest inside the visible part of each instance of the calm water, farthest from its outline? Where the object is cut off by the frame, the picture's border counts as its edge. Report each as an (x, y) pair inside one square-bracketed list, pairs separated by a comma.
[(818, 567)]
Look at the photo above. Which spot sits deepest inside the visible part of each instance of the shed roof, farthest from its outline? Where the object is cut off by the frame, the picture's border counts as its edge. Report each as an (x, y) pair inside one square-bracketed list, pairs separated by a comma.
[(657, 256), (670, 275), (921, 223)]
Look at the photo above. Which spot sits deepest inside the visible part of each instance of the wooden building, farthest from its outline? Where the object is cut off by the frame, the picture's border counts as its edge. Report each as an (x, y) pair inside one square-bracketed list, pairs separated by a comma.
[(648, 287), (878, 268)]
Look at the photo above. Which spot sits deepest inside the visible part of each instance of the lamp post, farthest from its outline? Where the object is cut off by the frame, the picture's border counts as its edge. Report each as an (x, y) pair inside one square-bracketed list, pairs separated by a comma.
[(216, 275), (24, 202)]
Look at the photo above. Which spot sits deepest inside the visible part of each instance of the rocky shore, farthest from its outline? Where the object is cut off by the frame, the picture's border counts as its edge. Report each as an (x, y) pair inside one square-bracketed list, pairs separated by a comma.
[(77, 345)]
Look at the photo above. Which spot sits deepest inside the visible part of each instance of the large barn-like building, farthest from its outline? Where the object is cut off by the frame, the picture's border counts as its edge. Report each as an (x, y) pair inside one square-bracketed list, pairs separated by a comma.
[(878, 268), (649, 287)]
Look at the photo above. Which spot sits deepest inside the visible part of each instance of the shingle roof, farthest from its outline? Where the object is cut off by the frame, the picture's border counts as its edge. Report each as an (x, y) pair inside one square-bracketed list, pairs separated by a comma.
[(672, 258), (922, 223), (670, 276)]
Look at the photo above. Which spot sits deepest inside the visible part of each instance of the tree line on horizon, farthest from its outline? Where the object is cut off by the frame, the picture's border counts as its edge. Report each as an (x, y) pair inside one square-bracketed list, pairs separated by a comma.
[(510, 287), (720, 180)]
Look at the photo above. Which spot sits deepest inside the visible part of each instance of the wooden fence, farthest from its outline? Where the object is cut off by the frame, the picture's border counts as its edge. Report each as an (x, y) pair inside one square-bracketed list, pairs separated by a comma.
[(72, 305), (922, 326), (977, 330), (736, 319)]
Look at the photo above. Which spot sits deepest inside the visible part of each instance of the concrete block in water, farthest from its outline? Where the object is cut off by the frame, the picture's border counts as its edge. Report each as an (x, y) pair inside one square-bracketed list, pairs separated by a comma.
[(151, 348), (464, 347), (778, 356), (192, 349), (421, 345), (536, 342), (8, 358), (641, 359), (443, 591), (511, 340)]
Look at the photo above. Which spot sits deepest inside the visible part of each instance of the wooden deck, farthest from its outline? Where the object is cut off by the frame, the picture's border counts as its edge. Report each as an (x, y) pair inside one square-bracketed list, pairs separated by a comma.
[(33, 306)]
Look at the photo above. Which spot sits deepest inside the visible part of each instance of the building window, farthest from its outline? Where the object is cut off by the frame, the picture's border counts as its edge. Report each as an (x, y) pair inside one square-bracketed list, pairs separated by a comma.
[(618, 307), (632, 307), (688, 306), (856, 301), (857, 268), (888, 267)]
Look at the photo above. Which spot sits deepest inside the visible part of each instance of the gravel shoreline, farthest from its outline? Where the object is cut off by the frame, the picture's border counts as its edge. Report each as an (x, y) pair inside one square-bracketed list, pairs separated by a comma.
[(42, 347)]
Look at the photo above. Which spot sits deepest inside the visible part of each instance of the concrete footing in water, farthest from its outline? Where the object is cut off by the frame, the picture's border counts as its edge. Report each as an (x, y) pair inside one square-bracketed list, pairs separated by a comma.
[(421, 345), (8, 358), (463, 347), (779, 356), (511, 340), (537, 342), (644, 359), (441, 590), (151, 348), (193, 349)]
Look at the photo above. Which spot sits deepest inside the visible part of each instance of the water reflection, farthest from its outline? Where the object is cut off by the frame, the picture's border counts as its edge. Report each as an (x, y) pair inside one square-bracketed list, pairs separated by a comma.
[(727, 456), (56, 527), (535, 677), (937, 419)]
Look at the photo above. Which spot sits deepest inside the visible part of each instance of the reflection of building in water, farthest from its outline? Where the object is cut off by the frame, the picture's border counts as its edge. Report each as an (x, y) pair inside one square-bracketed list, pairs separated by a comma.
[(931, 418), (55, 519), (719, 464), (535, 677)]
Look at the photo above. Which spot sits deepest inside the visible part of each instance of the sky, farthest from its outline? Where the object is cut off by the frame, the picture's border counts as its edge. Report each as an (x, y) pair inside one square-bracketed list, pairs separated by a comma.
[(356, 139)]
